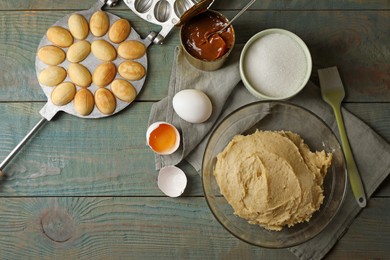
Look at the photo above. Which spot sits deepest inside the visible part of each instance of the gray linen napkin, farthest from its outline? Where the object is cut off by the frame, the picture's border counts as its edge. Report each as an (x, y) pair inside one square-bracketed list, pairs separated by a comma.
[(372, 152)]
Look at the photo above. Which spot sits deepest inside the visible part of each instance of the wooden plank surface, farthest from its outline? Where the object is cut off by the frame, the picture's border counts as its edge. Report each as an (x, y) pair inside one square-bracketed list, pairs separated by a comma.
[(358, 47), (153, 228), (87, 189), (73, 157), (218, 4)]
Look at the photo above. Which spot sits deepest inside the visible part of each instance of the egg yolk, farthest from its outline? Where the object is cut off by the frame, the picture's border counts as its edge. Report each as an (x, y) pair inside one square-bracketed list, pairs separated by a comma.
[(162, 138)]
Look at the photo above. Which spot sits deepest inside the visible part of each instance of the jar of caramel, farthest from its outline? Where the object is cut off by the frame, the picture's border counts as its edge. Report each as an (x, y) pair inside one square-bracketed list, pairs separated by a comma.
[(203, 47)]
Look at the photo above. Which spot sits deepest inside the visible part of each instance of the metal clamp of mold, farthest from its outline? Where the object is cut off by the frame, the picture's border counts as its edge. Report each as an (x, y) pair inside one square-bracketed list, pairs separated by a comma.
[(110, 3)]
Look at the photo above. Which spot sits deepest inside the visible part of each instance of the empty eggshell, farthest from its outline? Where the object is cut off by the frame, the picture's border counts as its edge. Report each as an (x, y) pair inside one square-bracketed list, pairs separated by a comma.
[(78, 51), (63, 93), (192, 105), (131, 49), (119, 31), (99, 23), (59, 36), (131, 70), (51, 55), (123, 90), (80, 75), (163, 138), (78, 26), (103, 50), (104, 74), (52, 76), (84, 102), (172, 181), (105, 101)]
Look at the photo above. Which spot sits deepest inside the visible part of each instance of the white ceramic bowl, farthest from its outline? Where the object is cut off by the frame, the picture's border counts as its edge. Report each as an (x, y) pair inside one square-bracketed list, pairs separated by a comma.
[(277, 69)]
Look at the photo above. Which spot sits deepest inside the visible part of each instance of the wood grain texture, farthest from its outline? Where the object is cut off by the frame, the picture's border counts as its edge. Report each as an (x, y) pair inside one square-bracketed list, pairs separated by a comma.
[(218, 4), (86, 189), (70, 156), (146, 228), (364, 245), (375, 115), (355, 41)]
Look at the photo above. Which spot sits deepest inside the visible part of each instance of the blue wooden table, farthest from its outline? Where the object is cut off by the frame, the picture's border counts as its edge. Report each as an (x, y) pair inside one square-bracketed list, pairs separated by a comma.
[(87, 189)]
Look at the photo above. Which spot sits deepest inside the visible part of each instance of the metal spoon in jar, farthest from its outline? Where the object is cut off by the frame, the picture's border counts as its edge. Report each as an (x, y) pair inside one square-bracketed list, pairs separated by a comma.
[(208, 35)]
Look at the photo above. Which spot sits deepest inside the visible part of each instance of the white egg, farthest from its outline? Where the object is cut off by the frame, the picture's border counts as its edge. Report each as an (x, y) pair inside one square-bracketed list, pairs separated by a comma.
[(192, 105), (172, 181)]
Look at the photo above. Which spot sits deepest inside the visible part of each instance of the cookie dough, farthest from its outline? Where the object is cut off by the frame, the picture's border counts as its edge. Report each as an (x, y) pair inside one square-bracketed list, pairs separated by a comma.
[(272, 179)]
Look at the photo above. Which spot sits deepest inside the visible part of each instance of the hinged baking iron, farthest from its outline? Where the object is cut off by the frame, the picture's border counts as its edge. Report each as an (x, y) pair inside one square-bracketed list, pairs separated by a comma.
[(166, 13)]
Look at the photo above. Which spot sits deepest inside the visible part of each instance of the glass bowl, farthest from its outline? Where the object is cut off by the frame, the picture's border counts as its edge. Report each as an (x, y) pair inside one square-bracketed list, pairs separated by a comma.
[(275, 115)]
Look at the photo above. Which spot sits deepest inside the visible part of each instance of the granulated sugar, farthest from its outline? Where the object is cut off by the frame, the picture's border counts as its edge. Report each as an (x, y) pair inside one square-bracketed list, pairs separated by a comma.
[(275, 65)]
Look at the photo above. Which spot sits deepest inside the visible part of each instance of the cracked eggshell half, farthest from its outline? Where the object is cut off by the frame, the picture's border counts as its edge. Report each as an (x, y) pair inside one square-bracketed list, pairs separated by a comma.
[(163, 138), (172, 181), (192, 105)]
